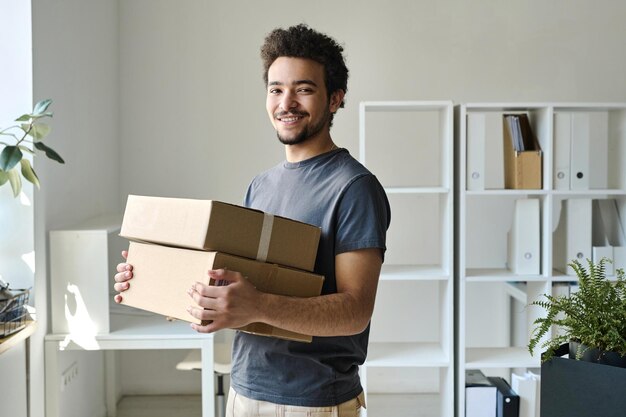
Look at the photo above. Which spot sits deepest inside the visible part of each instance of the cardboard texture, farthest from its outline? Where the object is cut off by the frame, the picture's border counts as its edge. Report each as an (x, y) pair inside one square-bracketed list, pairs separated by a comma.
[(581, 389), (216, 226), (162, 275), (522, 169)]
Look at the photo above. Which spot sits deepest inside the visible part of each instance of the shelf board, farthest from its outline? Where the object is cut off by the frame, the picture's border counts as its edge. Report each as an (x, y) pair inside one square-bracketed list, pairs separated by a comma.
[(135, 330), (384, 355), (382, 106), (507, 192), (417, 190), (598, 192), (19, 336), (511, 357), (498, 274), (413, 273)]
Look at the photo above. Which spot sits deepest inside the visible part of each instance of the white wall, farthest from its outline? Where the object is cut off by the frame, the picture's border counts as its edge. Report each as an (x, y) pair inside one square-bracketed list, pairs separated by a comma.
[(194, 122), (163, 97), (75, 62), (16, 215)]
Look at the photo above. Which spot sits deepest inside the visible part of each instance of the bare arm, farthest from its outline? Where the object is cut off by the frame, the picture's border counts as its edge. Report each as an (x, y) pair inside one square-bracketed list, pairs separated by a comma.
[(344, 313)]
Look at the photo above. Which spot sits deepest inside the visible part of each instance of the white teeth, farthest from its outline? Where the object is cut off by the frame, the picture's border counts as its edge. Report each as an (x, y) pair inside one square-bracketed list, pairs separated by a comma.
[(289, 119)]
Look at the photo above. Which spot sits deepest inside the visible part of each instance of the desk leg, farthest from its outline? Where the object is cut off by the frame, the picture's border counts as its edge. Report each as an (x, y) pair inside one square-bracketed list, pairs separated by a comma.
[(52, 377), (208, 379), (110, 382)]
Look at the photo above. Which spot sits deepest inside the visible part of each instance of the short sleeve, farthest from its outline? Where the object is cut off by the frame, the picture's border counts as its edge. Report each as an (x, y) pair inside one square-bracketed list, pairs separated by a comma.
[(363, 216)]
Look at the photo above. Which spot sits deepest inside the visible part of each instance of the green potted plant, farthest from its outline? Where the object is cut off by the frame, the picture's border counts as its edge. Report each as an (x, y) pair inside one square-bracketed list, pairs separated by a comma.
[(28, 138), (592, 320)]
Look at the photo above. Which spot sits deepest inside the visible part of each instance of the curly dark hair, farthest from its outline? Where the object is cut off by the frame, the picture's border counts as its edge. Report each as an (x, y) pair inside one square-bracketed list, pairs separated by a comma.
[(303, 42)]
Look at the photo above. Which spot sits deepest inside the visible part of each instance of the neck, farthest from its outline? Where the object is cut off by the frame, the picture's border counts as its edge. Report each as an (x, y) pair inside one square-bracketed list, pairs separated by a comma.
[(306, 150)]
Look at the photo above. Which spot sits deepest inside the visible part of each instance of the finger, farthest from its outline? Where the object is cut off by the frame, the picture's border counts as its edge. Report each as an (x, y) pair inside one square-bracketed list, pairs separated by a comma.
[(203, 290), (225, 275), (202, 313), (118, 298), (121, 286), (123, 267), (123, 276), (125, 254), (209, 328)]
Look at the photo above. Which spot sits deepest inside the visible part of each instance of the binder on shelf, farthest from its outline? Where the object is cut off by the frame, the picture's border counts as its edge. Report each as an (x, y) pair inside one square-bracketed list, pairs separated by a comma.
[(522, 154), (480, 395), (485, 166), (601, 247), (476, 136), (612, 226), (573, 236), (507, 400), (579, 179), (524, 238), (562, 150), (575, 166), (528, 387)]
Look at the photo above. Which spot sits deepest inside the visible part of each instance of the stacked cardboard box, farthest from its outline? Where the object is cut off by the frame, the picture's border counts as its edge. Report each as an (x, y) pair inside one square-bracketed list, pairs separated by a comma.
[(174, 242)]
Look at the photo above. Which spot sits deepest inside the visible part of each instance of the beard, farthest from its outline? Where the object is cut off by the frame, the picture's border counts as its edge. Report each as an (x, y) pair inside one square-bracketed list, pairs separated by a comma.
[(307, 132)]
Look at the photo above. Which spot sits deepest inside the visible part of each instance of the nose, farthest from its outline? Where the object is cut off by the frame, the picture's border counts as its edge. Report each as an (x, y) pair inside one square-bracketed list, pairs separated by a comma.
[(287, 101)]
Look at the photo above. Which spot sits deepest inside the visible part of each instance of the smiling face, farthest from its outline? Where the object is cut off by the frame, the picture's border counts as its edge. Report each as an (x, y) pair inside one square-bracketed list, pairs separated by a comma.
[(297, 101)]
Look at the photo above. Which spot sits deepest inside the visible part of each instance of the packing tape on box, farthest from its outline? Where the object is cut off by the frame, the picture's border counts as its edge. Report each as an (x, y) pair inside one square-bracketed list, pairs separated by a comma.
[(266, 237)]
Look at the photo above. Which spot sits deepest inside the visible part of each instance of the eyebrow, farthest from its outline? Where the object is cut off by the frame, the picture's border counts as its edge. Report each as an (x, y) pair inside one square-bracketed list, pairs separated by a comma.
[(297, 82)]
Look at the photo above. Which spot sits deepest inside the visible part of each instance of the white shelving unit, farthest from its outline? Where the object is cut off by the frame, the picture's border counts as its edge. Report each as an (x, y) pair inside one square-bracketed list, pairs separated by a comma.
[(493, 320), (408, 145)]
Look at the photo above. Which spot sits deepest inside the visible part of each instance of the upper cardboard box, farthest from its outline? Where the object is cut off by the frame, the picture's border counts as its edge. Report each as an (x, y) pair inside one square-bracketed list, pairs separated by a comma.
[(217, 226), (162, 275)]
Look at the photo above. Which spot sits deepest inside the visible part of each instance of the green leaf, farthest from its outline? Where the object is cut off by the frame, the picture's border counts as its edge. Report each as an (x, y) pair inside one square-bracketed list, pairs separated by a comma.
[(16, 182), (29, 173), (41, 107), (39, 131), (4, 177), (9, 157), (23, 118), (50, 153), (26, 149)]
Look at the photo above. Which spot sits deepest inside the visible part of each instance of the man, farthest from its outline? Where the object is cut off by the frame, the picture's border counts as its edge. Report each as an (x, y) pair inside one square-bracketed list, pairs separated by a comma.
[(320, 184)]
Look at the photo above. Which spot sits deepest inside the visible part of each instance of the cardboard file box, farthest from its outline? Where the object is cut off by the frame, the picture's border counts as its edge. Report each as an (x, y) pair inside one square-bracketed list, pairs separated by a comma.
[(222, 227), (522, 168), (575, 388), (162, 275)]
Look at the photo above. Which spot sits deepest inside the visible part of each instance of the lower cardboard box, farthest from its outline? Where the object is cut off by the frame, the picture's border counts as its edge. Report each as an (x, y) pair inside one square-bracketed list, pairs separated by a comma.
[(162, 275), (576, 388)]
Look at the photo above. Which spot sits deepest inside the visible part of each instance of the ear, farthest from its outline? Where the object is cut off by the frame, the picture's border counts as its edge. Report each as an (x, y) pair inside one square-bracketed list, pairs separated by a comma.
[(336, 98)]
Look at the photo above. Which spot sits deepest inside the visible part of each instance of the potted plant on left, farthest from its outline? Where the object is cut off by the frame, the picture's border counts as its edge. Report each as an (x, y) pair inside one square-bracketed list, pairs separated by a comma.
[(28, 138), (25, 137)]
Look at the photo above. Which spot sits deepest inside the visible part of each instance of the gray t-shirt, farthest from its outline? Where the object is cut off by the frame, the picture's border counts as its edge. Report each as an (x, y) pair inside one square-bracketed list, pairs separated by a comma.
[(335, 192)]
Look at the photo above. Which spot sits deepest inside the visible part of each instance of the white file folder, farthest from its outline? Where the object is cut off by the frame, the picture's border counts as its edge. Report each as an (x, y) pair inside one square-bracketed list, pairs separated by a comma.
[(578, 244), (613, 228), (524, 238), (579, 162), (476, 151), (599, 149), (528, 388), (562, 150), (599, 237), (485, 152)]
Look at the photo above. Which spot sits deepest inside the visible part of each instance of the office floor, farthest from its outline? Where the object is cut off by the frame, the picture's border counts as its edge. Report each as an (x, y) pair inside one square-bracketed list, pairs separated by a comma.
[(399, 405), (160, 406)]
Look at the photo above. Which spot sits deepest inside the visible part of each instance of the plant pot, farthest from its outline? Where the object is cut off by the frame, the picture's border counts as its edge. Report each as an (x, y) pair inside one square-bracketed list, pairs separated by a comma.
[(597, 356)]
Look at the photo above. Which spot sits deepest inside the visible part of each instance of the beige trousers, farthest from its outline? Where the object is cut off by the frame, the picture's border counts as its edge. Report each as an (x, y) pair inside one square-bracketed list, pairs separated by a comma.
[(240, 406)]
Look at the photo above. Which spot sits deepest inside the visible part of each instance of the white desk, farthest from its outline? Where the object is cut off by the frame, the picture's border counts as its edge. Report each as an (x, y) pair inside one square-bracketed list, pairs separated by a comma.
[(128, 332)]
